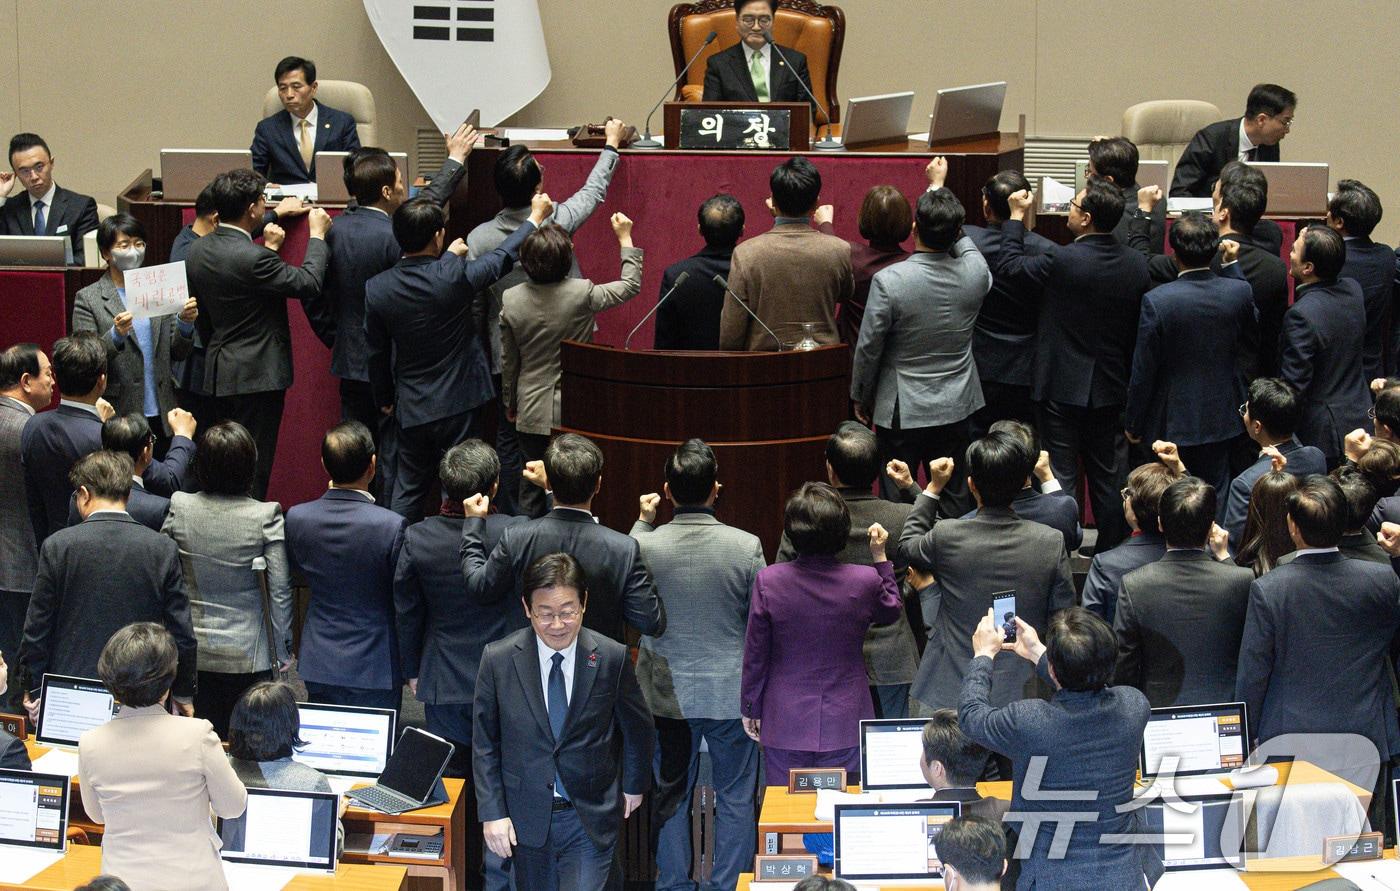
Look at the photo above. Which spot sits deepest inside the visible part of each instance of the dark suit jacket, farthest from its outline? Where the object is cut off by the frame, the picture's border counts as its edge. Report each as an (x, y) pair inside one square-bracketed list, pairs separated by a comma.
[(727, 77), (277, 155), (1186, 381), (440, 638), (425, 357), (605, 748), (13, 754), (189, 373), (1179, 623), (1316, 653), (77, 212), (19, 555), (1106, 571), (1088, 321), (1321, 355), (690, 319), (1003, 343), (1234, 511), (1156, 221), (242, 290), (1206, 155), (147, 509), (347, 548), (83, 596), (1372, 265), (620, 589), (994, 809), (1057, 510)]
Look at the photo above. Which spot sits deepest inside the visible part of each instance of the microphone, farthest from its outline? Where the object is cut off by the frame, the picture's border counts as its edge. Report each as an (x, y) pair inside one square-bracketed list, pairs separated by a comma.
[(826, 144), (719, 280), (680, 280), (646, 142)]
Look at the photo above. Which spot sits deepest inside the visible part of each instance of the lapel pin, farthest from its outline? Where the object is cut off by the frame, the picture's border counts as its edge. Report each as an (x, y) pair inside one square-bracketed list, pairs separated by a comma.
[(327, 126), (592, 660)]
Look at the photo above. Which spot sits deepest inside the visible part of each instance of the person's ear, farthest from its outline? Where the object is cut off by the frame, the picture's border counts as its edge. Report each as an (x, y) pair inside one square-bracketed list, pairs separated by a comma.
[(1160, 528), (666, 491), (386, 193), (494, 488), (598, 486), (373, 464), (526, 605)]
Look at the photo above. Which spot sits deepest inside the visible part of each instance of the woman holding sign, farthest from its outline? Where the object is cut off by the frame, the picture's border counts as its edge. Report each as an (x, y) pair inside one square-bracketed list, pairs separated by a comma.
[(141, 344)]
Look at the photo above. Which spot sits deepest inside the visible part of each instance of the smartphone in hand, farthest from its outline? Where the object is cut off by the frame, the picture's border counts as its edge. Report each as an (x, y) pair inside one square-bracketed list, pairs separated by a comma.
[(1004, 608)]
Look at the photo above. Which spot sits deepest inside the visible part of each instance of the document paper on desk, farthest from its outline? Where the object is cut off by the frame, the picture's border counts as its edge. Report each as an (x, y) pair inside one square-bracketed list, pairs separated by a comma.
[(57, 761), (1371, 875), (1200, 880), (18, 865), (252, 877)]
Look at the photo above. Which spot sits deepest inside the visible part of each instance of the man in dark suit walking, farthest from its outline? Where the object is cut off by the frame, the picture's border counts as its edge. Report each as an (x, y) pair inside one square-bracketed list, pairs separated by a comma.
[(690, 319), (1354, 212), (242, 291), (1142, 497), (556, 776), (1268, 116), (44, 208), (26, 386), (751, 71), (347, 548), (285, 144)]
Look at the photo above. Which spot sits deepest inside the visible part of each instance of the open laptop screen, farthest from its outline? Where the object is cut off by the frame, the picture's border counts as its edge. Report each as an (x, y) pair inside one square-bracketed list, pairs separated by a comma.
[(1203, 738), (889, 754), (280, 828), (69, 707), (890, 841), (1195, 831), (33, 810), (345, 740)]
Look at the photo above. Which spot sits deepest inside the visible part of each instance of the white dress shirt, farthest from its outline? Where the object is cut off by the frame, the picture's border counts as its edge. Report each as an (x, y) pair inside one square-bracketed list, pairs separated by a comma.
[(83, 405), (48, 207), (1245, 145), (767, 54), (296, 126), (546, 653), (243, 232), (19, 402), (1301, 551)]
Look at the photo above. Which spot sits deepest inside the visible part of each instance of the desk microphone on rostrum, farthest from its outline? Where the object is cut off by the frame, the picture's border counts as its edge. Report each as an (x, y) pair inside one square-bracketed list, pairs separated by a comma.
[(680, 280), (646, 142), (826, 143), (720, 280)]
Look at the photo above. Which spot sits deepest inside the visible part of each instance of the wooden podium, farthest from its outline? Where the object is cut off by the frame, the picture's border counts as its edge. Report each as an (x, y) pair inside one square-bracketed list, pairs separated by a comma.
[(766, 415)]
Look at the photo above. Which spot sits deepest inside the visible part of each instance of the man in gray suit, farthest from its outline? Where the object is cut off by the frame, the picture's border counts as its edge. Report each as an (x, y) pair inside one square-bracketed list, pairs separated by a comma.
[(518, 178), (891, 654), (704, 572), (26, 385), (914, 376), (975, 560), (1179, 620)]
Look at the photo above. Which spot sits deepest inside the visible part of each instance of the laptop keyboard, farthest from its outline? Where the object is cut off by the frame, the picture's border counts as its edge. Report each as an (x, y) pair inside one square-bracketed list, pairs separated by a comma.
[(382, 799)]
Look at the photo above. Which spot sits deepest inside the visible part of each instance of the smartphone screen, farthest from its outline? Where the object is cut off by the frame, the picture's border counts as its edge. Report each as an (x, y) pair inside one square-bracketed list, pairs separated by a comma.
[(1004, 609)]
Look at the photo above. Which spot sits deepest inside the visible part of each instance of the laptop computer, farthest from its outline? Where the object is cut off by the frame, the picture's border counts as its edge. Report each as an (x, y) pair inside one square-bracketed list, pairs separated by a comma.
[(876, 119), (1206, 740), (35, 250), (890, 844), (413, 777), (1150, 173), (185, 172), (1295, 190), (959, 112), (68, 708), (890, 749), (347, 743), (1198, 831), (290, 831), (33, 822), (330, 176)]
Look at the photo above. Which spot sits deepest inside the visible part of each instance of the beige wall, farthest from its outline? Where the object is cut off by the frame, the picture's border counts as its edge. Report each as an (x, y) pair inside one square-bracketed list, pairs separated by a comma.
[(118, 82)]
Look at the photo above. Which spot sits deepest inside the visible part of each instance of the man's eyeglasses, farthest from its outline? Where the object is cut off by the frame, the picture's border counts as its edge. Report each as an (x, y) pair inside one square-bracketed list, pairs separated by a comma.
[(1125, 493), (34, 170), (1077, 206), (1371, 412), (568, 616), (763, 21), (1244, 407)]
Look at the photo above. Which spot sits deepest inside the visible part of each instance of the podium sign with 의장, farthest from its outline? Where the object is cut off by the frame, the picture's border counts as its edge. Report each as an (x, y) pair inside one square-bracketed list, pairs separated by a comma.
[(736, 129)]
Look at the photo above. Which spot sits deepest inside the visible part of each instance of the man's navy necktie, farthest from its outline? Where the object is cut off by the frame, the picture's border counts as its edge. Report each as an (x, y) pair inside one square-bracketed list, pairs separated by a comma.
[(39, 221), (558, 711)]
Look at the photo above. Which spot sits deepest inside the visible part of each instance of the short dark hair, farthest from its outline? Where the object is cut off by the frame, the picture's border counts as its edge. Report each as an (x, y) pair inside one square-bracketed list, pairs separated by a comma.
[(346, 451), (945, 743), (79, 361), (1146, 485), (372, 171), (1187, 510), (1244, 192), (1319, 510), (854, 455), (1360, 495), (1356, 206), (16, 361), (416, 223), (1387, 402), (104, 883), (1103, 202), (235, 191), (547, 255), (721, 220), (1274, 403), (138, 664), (939, 219), (23, 142), (471, 467), (574, 464), (105, 474), (1083, 649), (999, 464), (517, 175), (265, 724), (885, 217), (1381, 466), (129, 434), (974, 846), (118, 224), (295, 63), (555, 571), (1269, 99), (816, 520), (1022, 431), (999, 189), (1324, 248), (1194, 238), (226, 462), (204, 201), (819, 882), (1115, 157), (740, 4), (796, 185), (691, 472)]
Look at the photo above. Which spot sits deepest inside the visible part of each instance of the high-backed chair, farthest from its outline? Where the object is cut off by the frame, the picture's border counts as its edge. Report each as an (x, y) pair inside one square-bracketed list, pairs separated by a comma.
[(1163, 128), (816, 31), (354, 99)]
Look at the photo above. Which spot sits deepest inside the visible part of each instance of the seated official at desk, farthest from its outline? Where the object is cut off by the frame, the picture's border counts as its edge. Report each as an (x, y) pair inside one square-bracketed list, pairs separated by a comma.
[(974, 854), (750, 71), (1268, 115), (285, 144), (264, 732), (44, 208), (13, 754)]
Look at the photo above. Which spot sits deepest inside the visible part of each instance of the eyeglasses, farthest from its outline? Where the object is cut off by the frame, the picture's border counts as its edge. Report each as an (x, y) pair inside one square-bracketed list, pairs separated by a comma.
[(1126, 493), (1077, 206), (762, 21), (1371, 412), (568, 615), (1243, 409), (1286, 122), (33, 170)]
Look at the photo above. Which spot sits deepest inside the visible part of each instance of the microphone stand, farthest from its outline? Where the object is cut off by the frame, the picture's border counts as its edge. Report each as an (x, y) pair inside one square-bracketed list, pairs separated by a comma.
[(646, 142), (719, 280), (680, 280), (825, 144)]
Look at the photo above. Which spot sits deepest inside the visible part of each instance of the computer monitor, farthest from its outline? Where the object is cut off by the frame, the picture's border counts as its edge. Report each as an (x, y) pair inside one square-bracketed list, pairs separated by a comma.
[(70, 707), (35, 250), (185, 172), (33, 811), (1150, 173), (890, 749), (890, 842), (1198, 831), (1295, 190), (876, 119), (330, 176), (959, 112), (295, 830), (346, 740), (1203, 738)]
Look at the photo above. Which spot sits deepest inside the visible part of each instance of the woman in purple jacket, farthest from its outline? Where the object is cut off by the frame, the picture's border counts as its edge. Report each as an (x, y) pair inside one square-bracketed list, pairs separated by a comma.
[(804, 689)]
